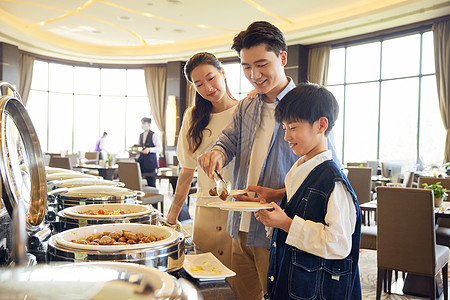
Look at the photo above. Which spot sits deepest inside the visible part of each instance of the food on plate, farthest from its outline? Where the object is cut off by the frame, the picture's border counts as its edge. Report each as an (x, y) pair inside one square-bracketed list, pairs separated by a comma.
[(223, 196), (104, 212), (213, 192), (115, 238)]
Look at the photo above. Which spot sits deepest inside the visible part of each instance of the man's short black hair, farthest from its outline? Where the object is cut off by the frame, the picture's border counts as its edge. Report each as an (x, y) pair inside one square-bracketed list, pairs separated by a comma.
[(308, 102), (260, 32), (146, 120)]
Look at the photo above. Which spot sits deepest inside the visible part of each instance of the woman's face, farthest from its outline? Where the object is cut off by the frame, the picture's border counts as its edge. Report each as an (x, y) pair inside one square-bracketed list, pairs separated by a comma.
[(209, 82)]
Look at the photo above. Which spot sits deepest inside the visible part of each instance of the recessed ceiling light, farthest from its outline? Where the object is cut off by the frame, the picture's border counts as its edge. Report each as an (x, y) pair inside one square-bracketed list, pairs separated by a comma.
[(96, 31), (174, 1), (124, 18), (179, 30), (150, 4)]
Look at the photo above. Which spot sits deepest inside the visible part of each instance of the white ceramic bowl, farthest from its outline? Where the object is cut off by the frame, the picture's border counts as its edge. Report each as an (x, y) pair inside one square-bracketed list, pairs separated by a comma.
[(64, 238)]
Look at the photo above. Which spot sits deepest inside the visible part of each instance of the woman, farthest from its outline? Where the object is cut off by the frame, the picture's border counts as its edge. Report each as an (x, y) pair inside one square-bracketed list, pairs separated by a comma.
[(202, 124)]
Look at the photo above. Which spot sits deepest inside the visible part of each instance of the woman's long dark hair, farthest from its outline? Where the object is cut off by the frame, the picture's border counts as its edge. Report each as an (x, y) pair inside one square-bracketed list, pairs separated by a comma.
[(202, 108)]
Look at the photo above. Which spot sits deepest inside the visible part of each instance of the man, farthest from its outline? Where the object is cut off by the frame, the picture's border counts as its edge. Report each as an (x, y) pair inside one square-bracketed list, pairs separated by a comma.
[(256, 141), (100, 146), (147, 158)]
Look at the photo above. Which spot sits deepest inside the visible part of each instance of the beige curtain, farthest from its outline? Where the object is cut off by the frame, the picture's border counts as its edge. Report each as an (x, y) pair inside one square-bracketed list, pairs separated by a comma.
[(155, 79), (26, 63), (441, 34), (318, 62), (190, 95)]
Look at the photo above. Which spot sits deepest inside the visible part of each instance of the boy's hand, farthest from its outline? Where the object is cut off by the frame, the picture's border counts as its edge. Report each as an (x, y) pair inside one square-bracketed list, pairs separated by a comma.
[(274, 218), (210, 161), (262, 193)]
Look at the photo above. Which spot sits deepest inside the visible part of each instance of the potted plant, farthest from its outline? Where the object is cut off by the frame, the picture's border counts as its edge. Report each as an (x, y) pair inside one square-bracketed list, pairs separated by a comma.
[(109, 161), (440, 193)]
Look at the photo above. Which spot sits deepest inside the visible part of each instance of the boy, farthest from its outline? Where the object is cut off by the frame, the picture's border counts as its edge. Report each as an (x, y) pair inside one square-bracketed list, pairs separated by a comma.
[(315, 243)]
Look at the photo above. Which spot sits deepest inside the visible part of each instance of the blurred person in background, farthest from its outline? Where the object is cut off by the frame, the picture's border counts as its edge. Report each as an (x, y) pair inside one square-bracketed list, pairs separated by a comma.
[(151, 143), (100, 147)]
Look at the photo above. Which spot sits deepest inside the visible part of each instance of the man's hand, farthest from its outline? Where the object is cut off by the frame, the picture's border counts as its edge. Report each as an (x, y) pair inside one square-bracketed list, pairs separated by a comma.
[(263, 194), (146, 151), (211, 161)]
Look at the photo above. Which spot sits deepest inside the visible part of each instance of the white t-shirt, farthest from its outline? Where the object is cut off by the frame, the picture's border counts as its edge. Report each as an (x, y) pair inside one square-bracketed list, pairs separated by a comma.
[(263, 137), (187, 159), (333, 240)]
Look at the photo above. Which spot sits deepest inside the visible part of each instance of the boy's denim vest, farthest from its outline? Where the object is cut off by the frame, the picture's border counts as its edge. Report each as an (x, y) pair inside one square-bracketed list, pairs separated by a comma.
[(295, 274)]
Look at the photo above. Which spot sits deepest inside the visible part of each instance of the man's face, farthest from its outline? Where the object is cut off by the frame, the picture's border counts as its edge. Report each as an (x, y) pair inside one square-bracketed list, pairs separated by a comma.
[(264, 69)]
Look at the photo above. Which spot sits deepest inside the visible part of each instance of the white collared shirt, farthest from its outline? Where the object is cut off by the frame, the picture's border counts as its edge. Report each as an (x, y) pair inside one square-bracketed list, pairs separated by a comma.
[(330, 241)]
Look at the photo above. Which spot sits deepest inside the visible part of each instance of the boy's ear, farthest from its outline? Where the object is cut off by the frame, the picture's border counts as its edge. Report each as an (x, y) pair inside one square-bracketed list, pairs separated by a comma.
[(323, 124)]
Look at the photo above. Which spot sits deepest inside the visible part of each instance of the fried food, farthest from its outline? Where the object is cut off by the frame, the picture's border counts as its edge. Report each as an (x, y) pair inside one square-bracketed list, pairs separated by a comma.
[(116, 238), (213, 192)]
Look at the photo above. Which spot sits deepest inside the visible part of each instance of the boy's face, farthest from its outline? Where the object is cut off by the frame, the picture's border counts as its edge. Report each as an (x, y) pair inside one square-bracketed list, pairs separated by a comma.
[(264, 69), (305, 138)]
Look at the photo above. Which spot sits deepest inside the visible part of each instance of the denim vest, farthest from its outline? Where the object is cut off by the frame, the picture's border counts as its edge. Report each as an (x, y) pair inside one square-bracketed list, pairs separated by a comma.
[(295, 274)]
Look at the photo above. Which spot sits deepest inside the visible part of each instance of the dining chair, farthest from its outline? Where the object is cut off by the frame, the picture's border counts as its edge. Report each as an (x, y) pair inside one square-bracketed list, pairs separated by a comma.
[(60, 162), (374, 164), (443, 224), (130, 175), (92, 157), (392, 169), (406, 237), (357, 164)]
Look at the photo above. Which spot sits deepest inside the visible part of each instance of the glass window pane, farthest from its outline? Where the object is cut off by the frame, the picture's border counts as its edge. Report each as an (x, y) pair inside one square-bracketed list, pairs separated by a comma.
[(86, 123), (40, 76), (137, 108), (86, 80), (37, 106), (232, 73), (112, 120), (336, 68), (338, 129), (136, 83), (246, 86), (113, 82), (363, 62), (60, 78), (401, 57), (60, 122), (428, 66), (432, 131), (398, 121), (361, 122)]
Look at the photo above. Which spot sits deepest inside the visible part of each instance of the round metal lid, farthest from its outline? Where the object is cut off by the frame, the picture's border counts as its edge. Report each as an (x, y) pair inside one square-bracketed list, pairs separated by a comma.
[(77, 182), (99, 192), (69, 175), (52, 170), (21, 161), (89, 280)]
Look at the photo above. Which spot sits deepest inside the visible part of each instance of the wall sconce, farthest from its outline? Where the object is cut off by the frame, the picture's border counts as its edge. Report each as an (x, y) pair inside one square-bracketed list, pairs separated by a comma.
[(171, 120)]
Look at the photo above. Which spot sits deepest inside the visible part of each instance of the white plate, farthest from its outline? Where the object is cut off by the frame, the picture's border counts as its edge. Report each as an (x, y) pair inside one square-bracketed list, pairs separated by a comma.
[(203, 194), (134, 209), (206, 267), (64, 238), (248, 206)]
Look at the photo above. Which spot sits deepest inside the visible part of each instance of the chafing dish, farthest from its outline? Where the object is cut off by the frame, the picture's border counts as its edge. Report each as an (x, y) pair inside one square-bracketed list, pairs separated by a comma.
[(74, 217), (70, 175), (166, 255), (99, 280), (77, 182)]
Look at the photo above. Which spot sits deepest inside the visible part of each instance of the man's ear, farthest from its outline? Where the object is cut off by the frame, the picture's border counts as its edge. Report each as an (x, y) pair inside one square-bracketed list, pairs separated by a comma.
[(283, 57), (323, 124)]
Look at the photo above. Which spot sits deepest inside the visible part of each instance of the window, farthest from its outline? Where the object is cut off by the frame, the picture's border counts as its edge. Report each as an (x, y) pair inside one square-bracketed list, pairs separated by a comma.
[(72, 106), (389, 109), (236, 80)]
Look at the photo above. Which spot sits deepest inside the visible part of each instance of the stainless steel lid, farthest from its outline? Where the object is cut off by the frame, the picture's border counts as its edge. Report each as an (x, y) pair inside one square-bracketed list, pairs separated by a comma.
[(69, 175), (77, 182), (100, 192), (21, 160), (92, 280), (52, 170)]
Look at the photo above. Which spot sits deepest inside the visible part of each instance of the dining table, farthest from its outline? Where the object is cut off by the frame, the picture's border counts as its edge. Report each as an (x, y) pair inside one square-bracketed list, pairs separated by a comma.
[(107, 172)]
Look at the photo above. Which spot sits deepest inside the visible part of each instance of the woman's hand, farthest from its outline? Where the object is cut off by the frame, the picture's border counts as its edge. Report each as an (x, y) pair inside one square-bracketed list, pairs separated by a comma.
[(253, 94), (274, 218)]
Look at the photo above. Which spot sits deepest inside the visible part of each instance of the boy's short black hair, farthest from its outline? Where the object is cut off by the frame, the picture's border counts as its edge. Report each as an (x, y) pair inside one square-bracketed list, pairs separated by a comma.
[(146, 120), (260, 32), (308, 102)]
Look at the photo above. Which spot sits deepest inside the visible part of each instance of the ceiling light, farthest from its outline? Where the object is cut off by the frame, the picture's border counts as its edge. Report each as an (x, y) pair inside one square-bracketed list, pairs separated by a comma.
[(179, 30), (150, 4), (174, 1), (124, 18)]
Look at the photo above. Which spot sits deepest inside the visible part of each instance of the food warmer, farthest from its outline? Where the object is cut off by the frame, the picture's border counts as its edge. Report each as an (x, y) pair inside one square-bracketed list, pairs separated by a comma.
[(100, 281), (69, 175), (83, 215), (77, 182)]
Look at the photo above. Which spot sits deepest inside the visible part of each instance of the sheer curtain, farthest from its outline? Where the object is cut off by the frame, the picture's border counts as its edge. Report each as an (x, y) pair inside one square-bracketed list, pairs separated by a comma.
[(26, 63), (155, 80), (441, 34), (190, 95), (318, 62)]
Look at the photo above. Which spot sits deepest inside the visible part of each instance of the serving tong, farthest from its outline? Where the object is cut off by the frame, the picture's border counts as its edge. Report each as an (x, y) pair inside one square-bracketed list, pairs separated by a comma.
[(221, 184)]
